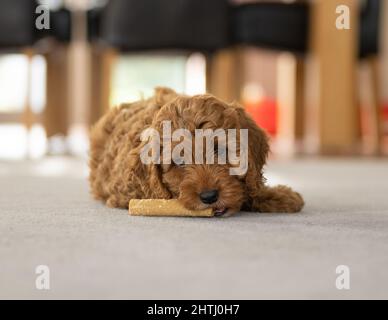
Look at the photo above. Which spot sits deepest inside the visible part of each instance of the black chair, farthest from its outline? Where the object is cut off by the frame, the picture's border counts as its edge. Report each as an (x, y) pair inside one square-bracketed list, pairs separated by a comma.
[(276, 26), (17, 24), (369, 29), (158, 24), (60, 26)]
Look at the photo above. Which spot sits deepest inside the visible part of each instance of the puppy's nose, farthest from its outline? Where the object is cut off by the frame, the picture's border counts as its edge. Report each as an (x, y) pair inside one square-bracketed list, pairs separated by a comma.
[(209, 196)]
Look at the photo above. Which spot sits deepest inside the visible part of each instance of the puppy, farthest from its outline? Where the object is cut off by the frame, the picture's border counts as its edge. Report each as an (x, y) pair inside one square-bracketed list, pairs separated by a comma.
[(117, 173)]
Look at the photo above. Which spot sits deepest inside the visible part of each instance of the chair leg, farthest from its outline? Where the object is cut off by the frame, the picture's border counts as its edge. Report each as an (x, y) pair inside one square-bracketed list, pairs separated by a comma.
[(224, 74), (109, 58), (28, 118), (95, 111), (57, 93), (103, 61), (377, 130), (300, 99), (332, 80)]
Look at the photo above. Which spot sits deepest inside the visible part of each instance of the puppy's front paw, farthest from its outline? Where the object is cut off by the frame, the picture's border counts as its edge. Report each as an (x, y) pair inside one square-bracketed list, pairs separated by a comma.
[(117, 202), (281, 199)]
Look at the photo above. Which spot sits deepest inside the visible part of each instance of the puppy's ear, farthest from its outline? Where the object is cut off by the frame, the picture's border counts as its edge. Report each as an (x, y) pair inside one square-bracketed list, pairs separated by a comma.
[(147, 177), (261, 197), (258, 149), (157, 189)]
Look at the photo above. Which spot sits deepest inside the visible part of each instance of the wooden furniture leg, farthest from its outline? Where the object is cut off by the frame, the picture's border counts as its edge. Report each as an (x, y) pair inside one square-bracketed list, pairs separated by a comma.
[(377, 125), (28, 118), (224, 74), (57, 106), (103, 61), (300, 99), (332, 109)]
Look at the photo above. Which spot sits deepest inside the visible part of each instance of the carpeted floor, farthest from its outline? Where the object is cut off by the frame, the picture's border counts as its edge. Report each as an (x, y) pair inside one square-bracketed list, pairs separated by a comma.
[(48, 218)]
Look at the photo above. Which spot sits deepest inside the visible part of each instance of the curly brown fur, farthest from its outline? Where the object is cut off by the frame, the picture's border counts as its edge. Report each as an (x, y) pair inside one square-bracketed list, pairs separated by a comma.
[(118, 175)]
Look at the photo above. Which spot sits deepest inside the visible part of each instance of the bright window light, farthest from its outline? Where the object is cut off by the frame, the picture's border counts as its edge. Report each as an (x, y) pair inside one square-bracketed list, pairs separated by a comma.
[(37, 142), (13, 141), (135, 76), (13, 82), (195, 74), (38, 84)]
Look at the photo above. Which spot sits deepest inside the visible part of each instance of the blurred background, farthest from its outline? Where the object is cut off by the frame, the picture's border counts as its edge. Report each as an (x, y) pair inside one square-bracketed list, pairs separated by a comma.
[(315, 88), (313, 73)]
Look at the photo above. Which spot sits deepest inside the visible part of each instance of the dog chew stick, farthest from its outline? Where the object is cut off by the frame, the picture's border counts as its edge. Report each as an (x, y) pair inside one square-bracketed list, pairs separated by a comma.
[(163, 207)]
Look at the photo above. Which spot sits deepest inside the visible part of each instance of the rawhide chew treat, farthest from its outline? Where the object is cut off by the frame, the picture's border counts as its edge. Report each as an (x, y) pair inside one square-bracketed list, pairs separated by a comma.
[(163, 207)]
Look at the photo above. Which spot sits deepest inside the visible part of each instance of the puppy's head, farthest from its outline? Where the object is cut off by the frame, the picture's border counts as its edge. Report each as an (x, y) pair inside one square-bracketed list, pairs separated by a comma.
[(185, 170)]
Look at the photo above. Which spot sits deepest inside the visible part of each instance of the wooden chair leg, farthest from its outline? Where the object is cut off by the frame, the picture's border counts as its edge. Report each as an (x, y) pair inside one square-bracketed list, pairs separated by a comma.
[(332, 80), (95, 111), (103, 61), (377, 131), (27, 114), (57, 93), (224, 74), (300, 99), (109, 58), (209, 61)]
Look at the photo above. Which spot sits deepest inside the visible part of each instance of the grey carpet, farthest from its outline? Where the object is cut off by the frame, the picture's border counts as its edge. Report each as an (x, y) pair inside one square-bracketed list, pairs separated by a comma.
[(47, 217)]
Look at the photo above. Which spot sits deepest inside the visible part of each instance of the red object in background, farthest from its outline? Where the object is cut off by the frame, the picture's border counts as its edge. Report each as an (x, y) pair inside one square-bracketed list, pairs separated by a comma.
[(264, 113), (385, 119), (385, 114)]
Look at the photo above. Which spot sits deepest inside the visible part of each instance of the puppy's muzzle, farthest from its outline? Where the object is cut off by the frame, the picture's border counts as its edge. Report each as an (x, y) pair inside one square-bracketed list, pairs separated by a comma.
[(209, 196)]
